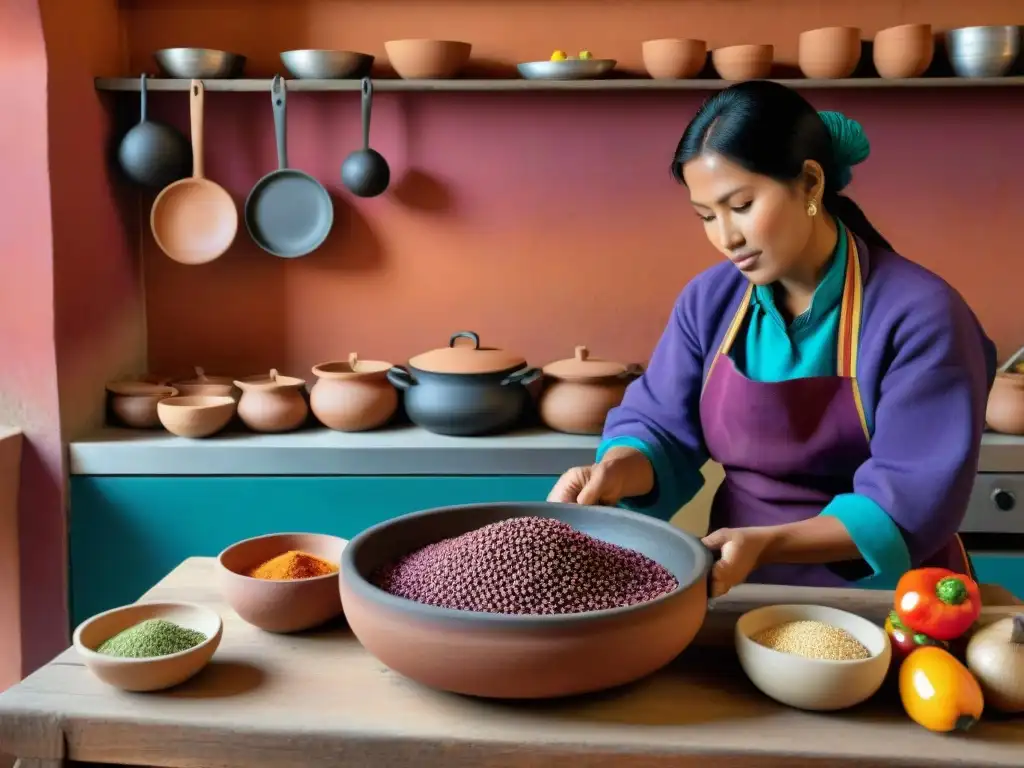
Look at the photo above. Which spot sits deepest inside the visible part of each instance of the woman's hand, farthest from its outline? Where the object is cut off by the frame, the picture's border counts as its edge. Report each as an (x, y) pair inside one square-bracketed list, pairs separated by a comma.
[(596, 484), (742, 550)]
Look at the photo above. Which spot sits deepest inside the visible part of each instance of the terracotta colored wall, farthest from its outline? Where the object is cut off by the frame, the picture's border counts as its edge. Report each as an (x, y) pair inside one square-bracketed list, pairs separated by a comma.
[(541, 221), (10, 580)]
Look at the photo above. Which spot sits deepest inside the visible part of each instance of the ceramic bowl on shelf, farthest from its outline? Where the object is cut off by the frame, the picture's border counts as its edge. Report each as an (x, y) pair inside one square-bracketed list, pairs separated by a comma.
[(196, 416), (812, 684), (983, 51), (280, 606), (153, 674), (829, 53), (200, 63), (743, 62), (509, 656), (425, 59), (673, 59), (134, 403), (568, 69), (320, 64), (904, 51)]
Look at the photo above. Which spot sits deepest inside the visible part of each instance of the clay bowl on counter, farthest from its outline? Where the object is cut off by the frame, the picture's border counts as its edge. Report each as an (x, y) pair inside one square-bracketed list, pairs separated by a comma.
[(153, 674), (134, 403), (465, 389), (829, 53), (517, 656), (672, 59), (196, 416), (743, 62), (1005, 410), (813, 684), (272, 402), (216, 386), (280, 606), (427, 59), (580, 390), (904, 51), (353, 396)]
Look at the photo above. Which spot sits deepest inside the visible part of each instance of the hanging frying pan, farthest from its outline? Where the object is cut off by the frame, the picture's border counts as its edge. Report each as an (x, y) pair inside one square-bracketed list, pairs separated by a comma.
[(288, 213), (151, 153), (194, 220)]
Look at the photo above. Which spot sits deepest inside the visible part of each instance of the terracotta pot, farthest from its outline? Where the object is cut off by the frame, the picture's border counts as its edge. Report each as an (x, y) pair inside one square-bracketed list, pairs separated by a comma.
[(904, 51), (272, 403), (670, 59), (830, 52), (465, 389), (213, 386), (134, 403), (1005, 411), (353, 396), (427, 59), (524, 657), (743, 62), (581, 390), (196, 416)]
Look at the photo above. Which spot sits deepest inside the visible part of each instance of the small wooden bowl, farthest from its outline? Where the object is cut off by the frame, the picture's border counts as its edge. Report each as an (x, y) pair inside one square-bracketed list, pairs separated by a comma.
[(670, 59), (134, 403), (829, 53), (743, 62), (153, 674), (427, 59), (281, 606), (812, 684), (196, 416), (904, 51)]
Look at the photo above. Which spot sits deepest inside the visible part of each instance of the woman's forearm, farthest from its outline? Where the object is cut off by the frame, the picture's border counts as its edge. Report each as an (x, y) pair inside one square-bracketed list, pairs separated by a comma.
[(821, 539), (635, 469)]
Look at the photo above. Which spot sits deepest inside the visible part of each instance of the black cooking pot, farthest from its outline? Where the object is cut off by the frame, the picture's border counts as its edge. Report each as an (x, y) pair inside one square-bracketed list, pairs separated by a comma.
[(465, 389)]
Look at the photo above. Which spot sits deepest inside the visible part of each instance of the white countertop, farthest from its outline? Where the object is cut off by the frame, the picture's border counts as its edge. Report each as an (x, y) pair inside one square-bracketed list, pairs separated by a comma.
[(402, 450)]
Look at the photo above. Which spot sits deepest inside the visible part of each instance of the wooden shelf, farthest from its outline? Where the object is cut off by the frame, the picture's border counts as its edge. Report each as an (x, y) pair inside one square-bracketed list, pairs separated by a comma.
[(611, 84)]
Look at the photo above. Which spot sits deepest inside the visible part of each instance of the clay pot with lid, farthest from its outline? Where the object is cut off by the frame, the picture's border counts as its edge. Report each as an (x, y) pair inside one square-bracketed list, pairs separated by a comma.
[(272, 403), (353, 396), (206, 386), (1005, 411), (580, 390), (464, 388), (134, 402)]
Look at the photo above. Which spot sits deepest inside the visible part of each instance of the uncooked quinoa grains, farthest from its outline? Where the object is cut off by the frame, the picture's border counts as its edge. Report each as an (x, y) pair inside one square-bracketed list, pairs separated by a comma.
[(814, 640), (526, 565)]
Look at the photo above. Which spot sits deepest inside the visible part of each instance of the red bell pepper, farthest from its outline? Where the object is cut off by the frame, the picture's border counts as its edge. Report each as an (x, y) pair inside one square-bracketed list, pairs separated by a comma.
[(937, 602), (904, 640)]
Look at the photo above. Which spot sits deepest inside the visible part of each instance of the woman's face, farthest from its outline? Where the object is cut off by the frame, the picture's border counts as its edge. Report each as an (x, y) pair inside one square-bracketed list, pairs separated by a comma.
[(759, 224)]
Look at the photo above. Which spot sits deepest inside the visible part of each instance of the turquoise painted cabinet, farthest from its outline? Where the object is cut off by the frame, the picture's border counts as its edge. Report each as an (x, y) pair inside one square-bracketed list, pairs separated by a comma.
[(129, 532)]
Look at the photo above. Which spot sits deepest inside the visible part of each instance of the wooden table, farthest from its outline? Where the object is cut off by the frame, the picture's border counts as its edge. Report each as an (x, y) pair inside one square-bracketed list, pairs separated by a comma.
[(319, 700)]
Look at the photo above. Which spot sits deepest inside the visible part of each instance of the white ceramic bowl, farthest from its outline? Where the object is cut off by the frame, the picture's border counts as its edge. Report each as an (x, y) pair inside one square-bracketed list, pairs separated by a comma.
[(153, 674), (814, 684)]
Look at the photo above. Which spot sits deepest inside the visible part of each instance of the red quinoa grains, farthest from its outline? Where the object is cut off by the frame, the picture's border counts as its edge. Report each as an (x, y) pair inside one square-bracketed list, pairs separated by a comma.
[(526, 565)]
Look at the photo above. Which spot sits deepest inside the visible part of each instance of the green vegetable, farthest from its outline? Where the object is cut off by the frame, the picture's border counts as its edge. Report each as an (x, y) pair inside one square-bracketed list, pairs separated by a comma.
[(151, 638)]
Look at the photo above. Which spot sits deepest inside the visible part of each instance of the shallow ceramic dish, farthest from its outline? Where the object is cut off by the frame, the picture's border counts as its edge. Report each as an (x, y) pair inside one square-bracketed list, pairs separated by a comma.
[(524, 657), (569, 69), (814, 684), (196, 416), (157, 673), (280, 606)]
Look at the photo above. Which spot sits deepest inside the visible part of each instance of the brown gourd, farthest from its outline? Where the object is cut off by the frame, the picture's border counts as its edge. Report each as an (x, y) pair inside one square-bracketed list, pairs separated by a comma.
[(995, 656)]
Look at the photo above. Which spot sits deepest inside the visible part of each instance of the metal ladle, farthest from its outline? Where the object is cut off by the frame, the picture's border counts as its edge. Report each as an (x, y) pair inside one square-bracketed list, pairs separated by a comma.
[(365, 172)]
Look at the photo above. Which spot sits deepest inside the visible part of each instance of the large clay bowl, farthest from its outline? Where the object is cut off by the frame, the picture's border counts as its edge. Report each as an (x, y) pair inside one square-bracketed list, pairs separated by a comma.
[(524, 657)]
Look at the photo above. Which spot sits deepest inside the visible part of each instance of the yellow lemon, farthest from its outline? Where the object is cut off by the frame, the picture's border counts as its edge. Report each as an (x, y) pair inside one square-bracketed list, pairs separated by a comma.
[(585, 54), (558, 56)]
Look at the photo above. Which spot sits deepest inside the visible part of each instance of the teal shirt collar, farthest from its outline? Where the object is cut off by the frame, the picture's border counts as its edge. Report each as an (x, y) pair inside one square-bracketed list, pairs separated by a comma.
[(826, 296)]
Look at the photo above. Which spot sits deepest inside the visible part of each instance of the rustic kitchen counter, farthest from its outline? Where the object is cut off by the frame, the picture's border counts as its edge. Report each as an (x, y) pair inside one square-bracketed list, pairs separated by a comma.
[(319, 700), (402, 450)]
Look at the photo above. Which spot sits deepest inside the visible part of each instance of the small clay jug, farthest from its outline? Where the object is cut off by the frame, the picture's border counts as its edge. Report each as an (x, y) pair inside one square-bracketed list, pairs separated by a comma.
[(353, 396), (206, 386), (580, 390), (1005, 411), (272, 403), (133, 403)]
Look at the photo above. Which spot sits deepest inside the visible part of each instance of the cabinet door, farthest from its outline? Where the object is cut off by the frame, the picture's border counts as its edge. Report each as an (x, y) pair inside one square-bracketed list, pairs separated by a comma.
[(129, 532), (1003, 568)]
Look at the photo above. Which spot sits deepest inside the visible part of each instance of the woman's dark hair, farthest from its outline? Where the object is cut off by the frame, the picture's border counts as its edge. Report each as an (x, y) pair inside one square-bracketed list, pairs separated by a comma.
[(771, 130)]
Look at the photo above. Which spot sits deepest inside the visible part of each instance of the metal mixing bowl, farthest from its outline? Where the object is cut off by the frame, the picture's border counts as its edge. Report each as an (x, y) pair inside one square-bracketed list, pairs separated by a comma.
[(509, 656), (200, 63), (314, 64), (983, 51), (569, 69)]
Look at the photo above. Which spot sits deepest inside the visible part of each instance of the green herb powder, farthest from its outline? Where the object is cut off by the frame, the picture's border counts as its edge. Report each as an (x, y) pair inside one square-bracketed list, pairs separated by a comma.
[(150, 638)]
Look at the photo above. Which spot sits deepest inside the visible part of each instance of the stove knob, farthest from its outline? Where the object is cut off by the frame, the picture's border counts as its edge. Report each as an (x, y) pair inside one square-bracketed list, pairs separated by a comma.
[(1004, 500)]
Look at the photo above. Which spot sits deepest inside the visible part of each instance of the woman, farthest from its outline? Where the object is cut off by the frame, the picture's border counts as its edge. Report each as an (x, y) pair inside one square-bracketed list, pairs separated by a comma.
[(841, 387)]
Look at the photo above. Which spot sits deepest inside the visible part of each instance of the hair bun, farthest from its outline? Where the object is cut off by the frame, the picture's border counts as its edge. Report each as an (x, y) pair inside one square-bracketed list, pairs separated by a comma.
[(849, 143)]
